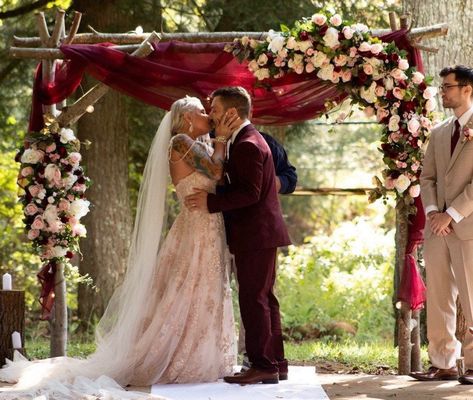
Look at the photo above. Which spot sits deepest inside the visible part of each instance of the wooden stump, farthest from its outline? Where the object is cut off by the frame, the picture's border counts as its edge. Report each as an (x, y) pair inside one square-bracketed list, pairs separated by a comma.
[(12, 318)]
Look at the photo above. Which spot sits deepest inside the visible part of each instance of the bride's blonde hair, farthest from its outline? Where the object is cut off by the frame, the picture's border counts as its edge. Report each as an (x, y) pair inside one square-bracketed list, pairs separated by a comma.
[(179, 108)]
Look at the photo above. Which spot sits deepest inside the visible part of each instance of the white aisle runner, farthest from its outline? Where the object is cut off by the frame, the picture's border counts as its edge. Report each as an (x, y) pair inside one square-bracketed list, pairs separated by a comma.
[(301, 385)]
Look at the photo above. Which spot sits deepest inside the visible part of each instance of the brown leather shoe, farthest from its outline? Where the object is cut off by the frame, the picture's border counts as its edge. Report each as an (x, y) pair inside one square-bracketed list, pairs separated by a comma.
[(252, 376), (436, 374), (467, 378)]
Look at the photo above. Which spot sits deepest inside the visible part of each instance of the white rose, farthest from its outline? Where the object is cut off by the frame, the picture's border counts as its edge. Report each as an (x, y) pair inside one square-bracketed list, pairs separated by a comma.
[(394, 123), (304, 45), (348, 32), (262, 73), (402, 183), (282, 53), (369, 94), (417, 78), (331, 38), (291, 43), (53, 174), (341, 60), (403, 64), (429, 92), (58, 251), (31, 156), (262, 59), (319, 19), (380, 91), (336, 20), (376, 48), (389, 83), (253, 66), (413, 125), (365, 46), (79, 208), (430, 105), (319, 59), (360, 28), (69, 181), (79, 230), (245, 40), (67, 135), (326, 72), (276, 44), (368, 69), (50, 214), (414, 191), (74, 158)]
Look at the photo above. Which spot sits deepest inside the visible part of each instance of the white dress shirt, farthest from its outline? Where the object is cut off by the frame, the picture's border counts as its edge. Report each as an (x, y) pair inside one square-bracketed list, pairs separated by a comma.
[(456, 216)]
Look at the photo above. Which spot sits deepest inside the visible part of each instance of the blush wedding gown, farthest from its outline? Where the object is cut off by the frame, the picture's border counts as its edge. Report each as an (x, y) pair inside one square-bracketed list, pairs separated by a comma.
[(172, 319)]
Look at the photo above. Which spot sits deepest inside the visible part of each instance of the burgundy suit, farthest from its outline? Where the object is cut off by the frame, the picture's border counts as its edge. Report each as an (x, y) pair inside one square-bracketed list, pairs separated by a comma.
[(255, 228)]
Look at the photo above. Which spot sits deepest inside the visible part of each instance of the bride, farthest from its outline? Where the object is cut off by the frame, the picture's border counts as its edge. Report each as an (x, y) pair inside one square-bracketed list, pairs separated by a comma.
[(171, 321)]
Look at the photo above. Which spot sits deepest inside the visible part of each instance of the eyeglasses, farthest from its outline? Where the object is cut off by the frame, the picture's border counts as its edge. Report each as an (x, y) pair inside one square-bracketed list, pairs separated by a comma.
[(444, 88)]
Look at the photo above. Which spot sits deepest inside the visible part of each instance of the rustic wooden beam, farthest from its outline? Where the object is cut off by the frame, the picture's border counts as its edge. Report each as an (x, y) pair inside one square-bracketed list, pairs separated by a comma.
[(304, 191), (54, 53), (43, 29), (197, 37), (72, 113), (393, 21)]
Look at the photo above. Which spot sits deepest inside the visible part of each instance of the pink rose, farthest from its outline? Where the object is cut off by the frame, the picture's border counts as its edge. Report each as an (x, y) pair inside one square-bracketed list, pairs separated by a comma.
[(369, 111), (381, 114), (376, 48), (414, 191), (399, 93), (353, 52), (38, 223), (379, 91), (389, 183), (31, 209), (364, 47), (430, 105), (346, 75), (368, 69), (336, 20), (340, 60), (75, 158), (429, 92), (34, 190), (426, 123), (33, 234), (63, 205), (398, 74), (403, 64), (413, 126), (51, 148), (27, 171), (417, 78), (309, 68), (348, 32), (319, 19)]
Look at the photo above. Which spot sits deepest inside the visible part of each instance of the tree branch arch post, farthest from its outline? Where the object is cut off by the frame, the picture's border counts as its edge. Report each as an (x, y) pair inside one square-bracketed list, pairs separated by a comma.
[(66, 117)]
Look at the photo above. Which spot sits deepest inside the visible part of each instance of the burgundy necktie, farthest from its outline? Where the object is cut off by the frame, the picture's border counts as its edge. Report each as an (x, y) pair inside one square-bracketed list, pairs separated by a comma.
[(455, 137)]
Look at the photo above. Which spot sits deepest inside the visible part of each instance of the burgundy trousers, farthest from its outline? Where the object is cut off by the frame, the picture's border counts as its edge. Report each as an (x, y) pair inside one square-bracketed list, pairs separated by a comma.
[(259, 308)]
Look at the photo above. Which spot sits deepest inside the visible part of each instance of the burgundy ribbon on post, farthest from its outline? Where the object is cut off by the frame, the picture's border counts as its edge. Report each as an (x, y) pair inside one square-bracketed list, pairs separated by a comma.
[(46, 298)]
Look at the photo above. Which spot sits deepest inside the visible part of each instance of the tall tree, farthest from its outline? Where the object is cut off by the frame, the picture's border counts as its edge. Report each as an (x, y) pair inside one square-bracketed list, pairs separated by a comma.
[(109, 224)]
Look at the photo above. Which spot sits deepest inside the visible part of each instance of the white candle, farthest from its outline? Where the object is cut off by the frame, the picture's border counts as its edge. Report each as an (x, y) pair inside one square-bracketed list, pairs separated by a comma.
[(7, 282), (16, 340)]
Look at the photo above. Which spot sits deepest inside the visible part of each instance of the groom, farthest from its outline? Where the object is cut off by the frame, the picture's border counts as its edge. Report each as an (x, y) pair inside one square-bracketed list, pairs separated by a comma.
[(255, 228)]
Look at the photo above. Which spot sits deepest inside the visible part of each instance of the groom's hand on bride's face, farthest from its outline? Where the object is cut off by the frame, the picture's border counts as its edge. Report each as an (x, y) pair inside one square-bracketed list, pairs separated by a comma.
[(197, 200)]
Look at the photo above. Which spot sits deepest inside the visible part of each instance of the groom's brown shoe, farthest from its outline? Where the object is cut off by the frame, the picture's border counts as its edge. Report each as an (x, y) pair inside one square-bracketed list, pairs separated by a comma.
[(252, 376), (436, 374), (466, 378)]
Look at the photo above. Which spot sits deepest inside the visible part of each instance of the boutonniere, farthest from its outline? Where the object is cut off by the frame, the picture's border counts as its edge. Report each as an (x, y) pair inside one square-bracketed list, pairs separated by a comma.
[(468, 132)]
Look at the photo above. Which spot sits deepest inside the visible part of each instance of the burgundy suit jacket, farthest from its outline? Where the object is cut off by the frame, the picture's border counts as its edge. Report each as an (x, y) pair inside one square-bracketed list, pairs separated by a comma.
[(250, 201)]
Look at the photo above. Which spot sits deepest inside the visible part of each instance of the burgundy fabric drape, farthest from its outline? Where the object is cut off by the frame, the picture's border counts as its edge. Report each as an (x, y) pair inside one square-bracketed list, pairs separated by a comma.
[(176, 69)]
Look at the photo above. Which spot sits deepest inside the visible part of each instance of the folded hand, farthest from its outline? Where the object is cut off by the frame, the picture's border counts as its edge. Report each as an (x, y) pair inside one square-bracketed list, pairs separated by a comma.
[(197, 200)]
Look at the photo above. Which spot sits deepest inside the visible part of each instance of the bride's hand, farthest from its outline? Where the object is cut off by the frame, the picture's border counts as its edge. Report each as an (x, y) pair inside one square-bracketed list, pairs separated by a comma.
[(227, 125)]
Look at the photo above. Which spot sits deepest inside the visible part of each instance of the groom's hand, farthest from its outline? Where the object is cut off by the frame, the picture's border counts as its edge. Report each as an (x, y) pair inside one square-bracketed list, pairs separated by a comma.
[(197, 200)]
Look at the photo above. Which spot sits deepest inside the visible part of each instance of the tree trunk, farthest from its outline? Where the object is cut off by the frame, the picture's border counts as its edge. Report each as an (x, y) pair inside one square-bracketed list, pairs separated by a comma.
[(12, 318), (455, 48), (109, 223)]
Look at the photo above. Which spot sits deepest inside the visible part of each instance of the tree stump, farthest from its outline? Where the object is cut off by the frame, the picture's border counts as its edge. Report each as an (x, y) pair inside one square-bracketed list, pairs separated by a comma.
[(12, 318)]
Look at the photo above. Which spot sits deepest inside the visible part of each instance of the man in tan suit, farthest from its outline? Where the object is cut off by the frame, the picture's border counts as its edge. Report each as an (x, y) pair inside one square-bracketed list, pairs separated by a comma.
[(447, 193)]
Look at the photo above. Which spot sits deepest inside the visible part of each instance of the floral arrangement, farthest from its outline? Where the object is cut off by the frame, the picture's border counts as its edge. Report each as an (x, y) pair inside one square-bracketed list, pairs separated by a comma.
[(53, 186), (376, 74)]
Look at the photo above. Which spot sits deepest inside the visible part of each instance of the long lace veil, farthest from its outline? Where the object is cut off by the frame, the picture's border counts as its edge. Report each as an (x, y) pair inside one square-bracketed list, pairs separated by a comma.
[(122, 323)]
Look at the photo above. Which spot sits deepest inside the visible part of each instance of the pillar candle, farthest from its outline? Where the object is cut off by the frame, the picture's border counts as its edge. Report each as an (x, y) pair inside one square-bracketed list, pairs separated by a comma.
[(7, 282), (16, 340)]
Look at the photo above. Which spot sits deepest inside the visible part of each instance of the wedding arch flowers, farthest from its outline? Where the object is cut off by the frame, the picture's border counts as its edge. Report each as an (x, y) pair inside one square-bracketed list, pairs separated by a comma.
[(377, 76), (53, 192)]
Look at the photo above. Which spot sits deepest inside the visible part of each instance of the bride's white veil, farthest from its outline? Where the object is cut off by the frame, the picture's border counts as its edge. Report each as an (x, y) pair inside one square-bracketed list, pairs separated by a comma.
[(122, 323)]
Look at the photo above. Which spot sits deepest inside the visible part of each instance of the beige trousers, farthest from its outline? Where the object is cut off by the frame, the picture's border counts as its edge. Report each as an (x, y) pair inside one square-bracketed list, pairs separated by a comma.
[(449, 266)]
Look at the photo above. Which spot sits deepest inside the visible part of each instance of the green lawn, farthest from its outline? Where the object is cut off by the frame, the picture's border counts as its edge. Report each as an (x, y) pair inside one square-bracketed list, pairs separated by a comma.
[(374, 358)]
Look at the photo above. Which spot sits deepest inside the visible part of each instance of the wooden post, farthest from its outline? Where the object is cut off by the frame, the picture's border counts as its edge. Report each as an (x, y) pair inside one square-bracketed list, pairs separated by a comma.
[(58, 323), (403, 312), (393, 21), (12, 318)]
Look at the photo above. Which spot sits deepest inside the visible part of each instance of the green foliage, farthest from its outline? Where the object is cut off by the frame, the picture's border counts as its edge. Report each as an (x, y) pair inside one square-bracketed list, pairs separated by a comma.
[(338, 283)]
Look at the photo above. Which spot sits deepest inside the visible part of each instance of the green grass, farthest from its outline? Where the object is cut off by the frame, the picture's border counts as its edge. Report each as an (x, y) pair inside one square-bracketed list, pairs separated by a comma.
[(348, 356)]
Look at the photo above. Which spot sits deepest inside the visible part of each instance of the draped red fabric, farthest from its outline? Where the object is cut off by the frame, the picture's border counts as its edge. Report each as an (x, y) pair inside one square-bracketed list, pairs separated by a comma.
[(175, 69)]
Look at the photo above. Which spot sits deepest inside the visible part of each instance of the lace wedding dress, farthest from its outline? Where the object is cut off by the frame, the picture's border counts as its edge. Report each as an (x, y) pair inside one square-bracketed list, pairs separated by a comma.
[(170, 322)]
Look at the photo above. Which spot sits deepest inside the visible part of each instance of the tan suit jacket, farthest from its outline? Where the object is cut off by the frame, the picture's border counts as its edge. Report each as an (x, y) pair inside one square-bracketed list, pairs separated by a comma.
[(447, 181)]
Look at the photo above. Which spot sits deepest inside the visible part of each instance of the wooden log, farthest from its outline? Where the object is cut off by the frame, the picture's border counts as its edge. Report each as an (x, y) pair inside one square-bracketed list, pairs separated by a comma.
[(72, 113), (43, 29), (56, 54), (74, 28), (202, 37), (12, 318), (393, 21), (58, 29), (58, 323)]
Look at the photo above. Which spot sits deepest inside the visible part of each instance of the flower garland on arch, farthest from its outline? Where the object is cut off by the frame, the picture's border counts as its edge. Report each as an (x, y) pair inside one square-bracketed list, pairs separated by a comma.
[(53, 186), (376, 74)]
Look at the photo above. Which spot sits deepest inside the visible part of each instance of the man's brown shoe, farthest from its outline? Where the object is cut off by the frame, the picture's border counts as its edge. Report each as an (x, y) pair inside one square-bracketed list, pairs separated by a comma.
[(467, 378), (252, 376), (436, 374)]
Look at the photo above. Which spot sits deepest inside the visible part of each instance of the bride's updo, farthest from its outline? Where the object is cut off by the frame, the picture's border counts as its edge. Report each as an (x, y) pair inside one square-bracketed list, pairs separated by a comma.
[(179, 108)]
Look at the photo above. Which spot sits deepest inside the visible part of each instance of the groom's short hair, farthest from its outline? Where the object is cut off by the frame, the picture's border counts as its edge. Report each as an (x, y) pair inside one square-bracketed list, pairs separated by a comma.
[(235, 96)]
